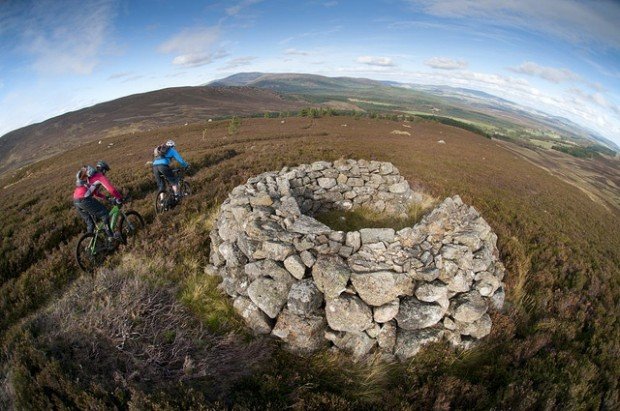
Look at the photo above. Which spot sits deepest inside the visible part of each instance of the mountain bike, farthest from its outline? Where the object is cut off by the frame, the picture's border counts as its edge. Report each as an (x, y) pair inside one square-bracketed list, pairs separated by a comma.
[(93, 248), (165, 199)]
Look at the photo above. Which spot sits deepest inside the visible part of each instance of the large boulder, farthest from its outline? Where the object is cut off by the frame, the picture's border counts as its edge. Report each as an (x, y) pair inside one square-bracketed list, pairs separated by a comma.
[(381, 287), (331, 275), (468, 307), (302, 334), (348, 313), (375, 235), (414, 314), (253, 316), (357, 344), (304, 298), (386, 312), (269, 295), (409, 342), (308, 225)]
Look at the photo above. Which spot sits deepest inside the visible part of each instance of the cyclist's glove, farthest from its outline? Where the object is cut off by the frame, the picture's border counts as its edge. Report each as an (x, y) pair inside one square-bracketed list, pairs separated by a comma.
[(118, 201)]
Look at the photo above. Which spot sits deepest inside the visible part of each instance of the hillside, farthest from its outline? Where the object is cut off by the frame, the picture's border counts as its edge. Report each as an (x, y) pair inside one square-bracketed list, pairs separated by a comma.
[(152, 331), (489, 112), (138, 112)]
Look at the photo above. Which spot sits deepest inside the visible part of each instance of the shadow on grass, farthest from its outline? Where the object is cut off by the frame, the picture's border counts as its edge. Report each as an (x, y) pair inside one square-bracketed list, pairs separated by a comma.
[(362, 217)]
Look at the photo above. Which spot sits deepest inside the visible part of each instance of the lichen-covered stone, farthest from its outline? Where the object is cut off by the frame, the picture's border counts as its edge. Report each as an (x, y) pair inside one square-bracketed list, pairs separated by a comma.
[(348, 313), (295, 266), (269, 295), (386, 312), (398, 290), (409, 342), (469, 307), (331, 275), (256, 319), (381, 287), (414, 314), (302, 334), (304, 298)]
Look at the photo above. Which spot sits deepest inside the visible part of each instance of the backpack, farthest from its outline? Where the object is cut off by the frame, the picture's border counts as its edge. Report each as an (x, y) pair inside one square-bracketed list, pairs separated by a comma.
[(160, 150)]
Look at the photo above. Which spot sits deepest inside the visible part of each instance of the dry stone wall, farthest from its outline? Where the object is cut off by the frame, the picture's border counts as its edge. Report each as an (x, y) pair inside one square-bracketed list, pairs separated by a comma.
[(374, 289)]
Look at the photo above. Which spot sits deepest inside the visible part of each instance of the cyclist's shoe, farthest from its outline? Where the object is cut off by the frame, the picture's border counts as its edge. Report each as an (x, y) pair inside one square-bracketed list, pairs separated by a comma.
[(113, 241)]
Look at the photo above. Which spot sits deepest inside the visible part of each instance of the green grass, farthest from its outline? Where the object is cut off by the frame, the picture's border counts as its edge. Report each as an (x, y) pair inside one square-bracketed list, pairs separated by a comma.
[(362, 217)]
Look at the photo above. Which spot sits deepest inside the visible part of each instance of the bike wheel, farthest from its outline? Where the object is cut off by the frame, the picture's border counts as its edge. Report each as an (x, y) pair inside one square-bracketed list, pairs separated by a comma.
[(162, 202), (131, 223), (91, 251), (185, 189)]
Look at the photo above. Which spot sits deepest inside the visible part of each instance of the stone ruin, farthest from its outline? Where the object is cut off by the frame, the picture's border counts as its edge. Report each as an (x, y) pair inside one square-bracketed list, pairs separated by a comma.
[(363, 291)]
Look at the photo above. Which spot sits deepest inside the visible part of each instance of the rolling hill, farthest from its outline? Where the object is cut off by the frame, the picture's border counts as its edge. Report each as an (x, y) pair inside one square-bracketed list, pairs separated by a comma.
[(470, 105), (247, 94), (138, 112)]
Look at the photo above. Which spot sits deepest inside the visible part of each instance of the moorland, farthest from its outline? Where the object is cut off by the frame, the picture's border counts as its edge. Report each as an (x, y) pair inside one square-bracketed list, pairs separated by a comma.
[(151, 330)]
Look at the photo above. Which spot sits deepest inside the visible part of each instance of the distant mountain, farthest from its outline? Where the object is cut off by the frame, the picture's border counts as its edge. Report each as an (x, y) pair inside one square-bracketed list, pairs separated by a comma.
[(251, 93), (138, 112), (467, 104)]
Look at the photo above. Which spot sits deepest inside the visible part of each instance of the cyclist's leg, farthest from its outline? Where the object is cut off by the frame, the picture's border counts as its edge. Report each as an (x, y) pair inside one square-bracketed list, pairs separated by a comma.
[(98, 210), (90, 225), (172, 179), (160, 181)]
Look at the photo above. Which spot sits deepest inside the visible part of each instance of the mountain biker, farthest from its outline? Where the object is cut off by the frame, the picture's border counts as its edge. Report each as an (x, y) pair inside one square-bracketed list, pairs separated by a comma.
[(87, 184), (161, 166)]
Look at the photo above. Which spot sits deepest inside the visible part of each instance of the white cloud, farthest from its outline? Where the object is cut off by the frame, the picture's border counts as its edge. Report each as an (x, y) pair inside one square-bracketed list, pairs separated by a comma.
[(194, 47), (593, 98), (552, 74), (445, 63), (61, 37), (238, 62), (572, 20), (295, 52), (234, 10), (376, 61), (119, 75)]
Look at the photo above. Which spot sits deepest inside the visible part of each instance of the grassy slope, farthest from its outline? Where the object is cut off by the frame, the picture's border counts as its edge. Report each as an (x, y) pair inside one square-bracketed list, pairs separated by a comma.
[(556, 346)]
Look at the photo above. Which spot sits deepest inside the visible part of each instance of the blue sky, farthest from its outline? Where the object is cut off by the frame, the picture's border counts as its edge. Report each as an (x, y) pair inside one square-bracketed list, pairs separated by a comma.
[(558, 56)]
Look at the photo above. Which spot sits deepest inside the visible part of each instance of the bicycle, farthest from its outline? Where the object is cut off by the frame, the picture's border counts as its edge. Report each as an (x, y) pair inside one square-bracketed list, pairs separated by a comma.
[(93, 248), (165, 199)]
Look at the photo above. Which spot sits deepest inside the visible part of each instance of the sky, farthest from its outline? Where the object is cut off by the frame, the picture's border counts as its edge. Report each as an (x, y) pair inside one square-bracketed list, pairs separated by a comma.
[(558, 56)]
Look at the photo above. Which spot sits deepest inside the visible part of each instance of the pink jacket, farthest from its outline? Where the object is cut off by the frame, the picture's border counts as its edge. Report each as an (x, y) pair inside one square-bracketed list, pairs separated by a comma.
[(92, 188)]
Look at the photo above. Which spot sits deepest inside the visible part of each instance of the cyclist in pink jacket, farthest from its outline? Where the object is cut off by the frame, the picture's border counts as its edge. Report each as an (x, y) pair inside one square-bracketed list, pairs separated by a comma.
[(87, 185)]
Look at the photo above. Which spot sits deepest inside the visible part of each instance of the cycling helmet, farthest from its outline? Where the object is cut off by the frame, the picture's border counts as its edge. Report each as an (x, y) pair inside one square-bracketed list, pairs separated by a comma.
[(170, 143), (90, 171), (102, 166)]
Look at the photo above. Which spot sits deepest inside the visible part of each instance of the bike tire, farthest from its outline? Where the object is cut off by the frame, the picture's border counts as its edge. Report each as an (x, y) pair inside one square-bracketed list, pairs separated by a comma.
[(86, 258), (131, 223), (162, 201)]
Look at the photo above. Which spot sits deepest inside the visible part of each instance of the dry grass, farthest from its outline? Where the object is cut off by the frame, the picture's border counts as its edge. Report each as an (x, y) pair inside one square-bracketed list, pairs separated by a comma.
[(364, 217), (554, 347)]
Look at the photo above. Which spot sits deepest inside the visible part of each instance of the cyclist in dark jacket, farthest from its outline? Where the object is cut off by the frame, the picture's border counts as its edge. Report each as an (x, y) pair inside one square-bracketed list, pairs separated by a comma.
[(161, 166)]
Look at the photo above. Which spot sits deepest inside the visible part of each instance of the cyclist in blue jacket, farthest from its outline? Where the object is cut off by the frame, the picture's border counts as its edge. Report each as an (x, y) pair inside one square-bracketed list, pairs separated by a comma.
[(161, 166)]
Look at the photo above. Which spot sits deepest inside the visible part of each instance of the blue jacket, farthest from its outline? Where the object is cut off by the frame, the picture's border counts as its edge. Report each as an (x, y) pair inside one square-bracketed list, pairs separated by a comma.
[(170, 154)]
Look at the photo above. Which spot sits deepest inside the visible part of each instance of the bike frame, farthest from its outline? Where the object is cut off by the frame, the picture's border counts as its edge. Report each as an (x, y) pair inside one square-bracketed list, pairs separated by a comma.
[(114, 213)]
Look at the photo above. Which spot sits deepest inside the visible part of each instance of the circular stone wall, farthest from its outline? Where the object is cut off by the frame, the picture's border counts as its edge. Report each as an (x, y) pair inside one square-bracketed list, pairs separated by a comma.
[(373, 289)]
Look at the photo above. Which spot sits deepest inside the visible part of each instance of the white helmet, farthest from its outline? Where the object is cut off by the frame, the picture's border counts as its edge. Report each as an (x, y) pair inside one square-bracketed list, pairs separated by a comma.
[(170, 143)]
